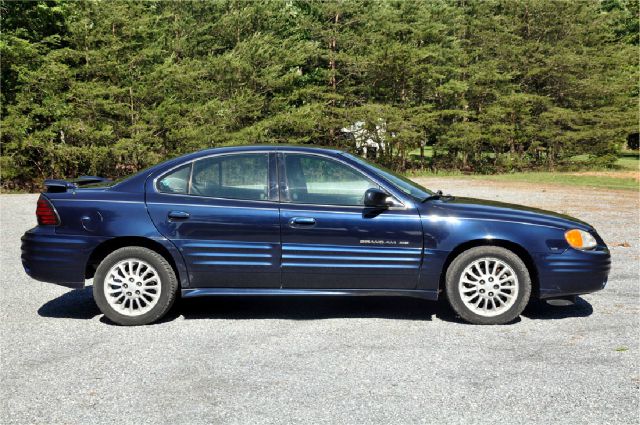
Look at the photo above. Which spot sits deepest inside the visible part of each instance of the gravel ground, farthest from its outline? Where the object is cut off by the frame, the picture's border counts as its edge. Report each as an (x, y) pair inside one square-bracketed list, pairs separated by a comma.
[(330, 360)]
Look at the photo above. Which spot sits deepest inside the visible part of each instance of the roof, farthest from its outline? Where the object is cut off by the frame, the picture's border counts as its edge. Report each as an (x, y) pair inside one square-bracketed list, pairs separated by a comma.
[(135, 183), (268, 148)]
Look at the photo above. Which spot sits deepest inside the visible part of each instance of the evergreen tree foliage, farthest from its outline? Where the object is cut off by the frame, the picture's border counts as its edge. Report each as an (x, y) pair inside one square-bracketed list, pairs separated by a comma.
[(108, 88)]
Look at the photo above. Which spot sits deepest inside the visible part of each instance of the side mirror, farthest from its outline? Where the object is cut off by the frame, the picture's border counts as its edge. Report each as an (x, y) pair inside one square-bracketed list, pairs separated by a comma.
[(377, 198)]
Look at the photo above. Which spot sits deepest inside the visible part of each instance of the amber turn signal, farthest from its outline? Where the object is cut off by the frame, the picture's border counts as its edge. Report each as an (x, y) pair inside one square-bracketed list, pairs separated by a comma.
[(579, 239)]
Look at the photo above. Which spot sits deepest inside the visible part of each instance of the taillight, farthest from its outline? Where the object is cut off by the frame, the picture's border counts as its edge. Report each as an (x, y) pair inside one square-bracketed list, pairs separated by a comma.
[(47, 215)]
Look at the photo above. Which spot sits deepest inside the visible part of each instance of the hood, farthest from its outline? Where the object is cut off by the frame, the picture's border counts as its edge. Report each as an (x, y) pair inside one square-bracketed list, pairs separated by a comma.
[(494, 210)]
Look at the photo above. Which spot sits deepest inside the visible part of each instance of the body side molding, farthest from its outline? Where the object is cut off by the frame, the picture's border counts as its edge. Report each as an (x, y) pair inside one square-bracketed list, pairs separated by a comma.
[(203, 292)]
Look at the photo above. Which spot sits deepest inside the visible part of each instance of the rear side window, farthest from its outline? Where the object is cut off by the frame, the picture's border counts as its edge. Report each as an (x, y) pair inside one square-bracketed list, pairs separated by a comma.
[(239, 176), (176, 181)]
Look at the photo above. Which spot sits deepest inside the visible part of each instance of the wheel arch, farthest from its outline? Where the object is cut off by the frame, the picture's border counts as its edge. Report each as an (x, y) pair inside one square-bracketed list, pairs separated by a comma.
[(517, 249), (110, 245)]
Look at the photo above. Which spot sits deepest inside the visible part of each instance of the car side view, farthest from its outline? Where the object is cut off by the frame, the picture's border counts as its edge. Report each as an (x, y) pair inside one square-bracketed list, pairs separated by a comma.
[(279, 220)]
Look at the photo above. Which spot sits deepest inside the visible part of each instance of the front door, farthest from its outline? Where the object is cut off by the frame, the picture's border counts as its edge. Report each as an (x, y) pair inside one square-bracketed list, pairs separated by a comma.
[(222, 214), (330, 240)]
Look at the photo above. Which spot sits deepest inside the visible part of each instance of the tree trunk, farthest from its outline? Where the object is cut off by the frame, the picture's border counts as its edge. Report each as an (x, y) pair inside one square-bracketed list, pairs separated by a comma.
[(333, 82)]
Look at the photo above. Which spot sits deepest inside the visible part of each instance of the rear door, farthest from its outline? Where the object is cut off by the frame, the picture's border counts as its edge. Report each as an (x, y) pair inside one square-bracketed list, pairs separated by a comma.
[(331, 241), (222, 214)]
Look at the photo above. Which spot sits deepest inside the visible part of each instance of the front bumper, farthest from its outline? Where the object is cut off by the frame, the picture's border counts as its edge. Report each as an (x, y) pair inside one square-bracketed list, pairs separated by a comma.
[(59, 259), (573, 272)]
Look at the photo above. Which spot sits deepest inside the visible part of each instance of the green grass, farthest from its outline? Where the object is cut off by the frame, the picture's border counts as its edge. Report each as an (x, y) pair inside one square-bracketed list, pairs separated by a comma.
[(568, 179), (628, 161), (601, 182)]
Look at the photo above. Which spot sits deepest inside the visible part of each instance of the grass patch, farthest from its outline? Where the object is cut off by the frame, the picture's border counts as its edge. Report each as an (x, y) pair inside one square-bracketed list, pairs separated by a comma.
[(628, 161), (569, 179)]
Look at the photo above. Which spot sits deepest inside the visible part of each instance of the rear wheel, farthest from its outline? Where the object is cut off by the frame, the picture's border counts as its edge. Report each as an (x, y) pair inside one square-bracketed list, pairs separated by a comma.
[(134, 286), (488, 285)]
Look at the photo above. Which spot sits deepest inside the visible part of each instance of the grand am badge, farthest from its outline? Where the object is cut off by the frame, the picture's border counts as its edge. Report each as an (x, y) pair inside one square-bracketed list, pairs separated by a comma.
[(382, 242)]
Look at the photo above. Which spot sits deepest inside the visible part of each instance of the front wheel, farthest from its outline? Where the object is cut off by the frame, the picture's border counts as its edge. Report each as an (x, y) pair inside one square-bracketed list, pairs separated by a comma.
[(488, 285), (134, 286)]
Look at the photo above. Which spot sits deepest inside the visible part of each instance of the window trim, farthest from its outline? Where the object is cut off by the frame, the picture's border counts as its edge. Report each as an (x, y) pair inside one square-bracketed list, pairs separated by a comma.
[(273, 155), (191, 165)]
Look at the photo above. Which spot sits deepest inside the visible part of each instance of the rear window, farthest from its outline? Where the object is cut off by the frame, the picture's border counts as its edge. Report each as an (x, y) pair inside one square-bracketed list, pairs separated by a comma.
[(238, 176)]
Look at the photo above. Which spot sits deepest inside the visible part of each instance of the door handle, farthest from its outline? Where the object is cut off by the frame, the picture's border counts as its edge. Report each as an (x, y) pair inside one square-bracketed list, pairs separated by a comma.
[(178, 215), (302, 222)]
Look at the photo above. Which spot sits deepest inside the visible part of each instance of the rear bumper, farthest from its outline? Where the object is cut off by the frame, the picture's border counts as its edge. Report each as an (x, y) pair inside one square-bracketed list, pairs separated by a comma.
[(60, 259), (573, 272)]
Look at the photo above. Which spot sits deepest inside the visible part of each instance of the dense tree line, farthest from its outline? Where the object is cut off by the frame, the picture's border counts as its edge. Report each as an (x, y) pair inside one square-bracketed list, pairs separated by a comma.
[(107, 88)]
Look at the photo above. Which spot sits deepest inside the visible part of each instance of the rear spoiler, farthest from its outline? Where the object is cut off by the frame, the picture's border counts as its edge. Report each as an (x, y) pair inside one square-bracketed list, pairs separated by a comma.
[(58, 185)]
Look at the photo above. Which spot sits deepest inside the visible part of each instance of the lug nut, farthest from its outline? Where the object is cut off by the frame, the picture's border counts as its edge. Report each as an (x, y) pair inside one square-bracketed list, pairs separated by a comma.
[(490, 279), (125, 286), (137, 292), (491, 294), (495, 287), (482, 282), (130, 279), (128, 294), (482, 291), (139, 283)]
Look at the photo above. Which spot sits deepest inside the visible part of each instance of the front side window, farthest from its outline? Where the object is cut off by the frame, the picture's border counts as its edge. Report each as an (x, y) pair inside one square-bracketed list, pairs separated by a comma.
[(238, 176), (409, 187), (313, 179)]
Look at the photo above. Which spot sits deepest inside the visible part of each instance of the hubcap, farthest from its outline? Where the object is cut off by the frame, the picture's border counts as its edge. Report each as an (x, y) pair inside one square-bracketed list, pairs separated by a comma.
[(498, 297), (132, 287)]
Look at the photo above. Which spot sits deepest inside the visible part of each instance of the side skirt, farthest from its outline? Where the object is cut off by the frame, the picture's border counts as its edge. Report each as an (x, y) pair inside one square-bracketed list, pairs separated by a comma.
[(207, 292)]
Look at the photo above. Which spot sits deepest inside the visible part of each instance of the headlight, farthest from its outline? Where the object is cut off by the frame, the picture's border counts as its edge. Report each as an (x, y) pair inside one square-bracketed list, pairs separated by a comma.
[(579, 239)]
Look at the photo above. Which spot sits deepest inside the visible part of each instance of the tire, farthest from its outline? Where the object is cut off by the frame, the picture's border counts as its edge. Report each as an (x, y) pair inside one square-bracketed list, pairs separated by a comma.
[(140, 284), (472, 279)]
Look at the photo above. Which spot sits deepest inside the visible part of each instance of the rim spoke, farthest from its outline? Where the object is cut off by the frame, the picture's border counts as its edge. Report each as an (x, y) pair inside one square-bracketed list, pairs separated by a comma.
[(471, 273), (151, 295), (122, 271), (471, 295), (506, 279), (502, 272)]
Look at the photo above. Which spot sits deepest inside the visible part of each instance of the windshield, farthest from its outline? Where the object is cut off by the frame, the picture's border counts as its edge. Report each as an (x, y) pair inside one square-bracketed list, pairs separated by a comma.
[(409, 187)]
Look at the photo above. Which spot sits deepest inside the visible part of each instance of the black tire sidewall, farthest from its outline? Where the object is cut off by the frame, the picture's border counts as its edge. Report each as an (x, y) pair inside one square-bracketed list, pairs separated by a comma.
[(467, 257), (168, 282)]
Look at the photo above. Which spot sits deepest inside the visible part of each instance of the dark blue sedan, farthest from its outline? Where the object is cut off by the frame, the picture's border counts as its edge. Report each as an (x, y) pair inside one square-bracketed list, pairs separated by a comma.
[(275, 220)]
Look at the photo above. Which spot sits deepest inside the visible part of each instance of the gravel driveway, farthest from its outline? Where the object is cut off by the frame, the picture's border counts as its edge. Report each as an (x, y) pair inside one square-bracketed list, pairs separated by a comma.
[(329, 360)]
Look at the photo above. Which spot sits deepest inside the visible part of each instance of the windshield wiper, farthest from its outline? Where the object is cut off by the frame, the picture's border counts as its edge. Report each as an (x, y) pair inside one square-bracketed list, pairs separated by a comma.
[(437, 195)]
